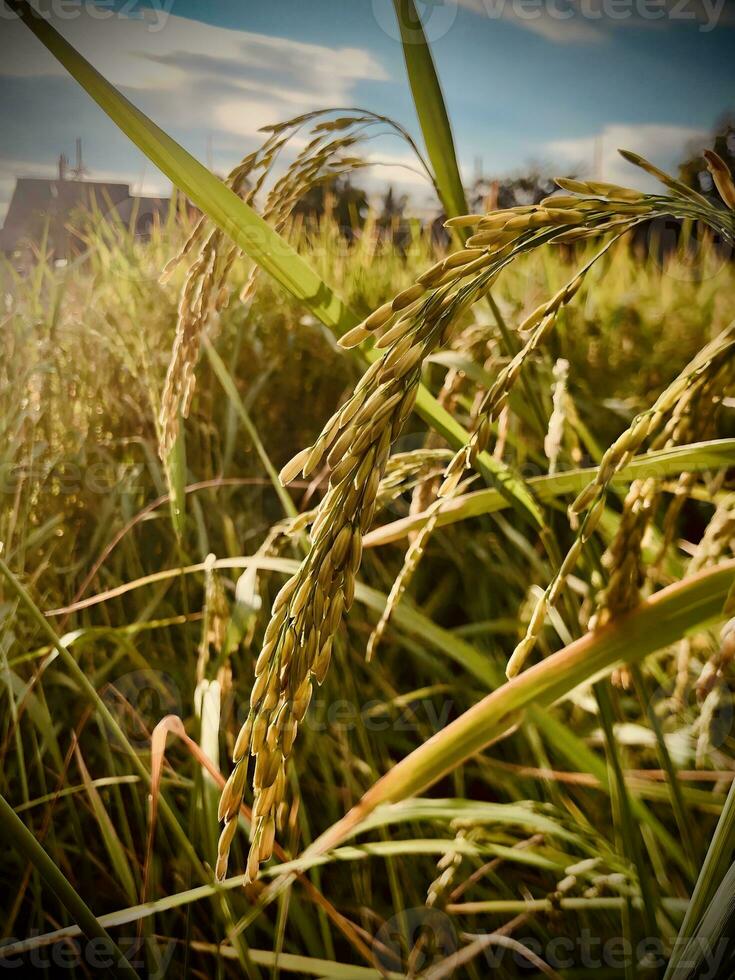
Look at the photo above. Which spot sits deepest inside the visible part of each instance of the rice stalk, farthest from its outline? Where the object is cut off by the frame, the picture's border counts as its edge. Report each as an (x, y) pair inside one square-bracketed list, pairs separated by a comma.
[(309, 608), (559, 399), (721, 176), (205, 291), (356, 443), (419, 540), (699, 372)]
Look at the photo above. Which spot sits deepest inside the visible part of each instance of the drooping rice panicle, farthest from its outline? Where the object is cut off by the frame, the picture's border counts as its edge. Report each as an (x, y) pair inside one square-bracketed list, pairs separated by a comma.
[(539, 323), (205, 293), (591, 500), (559, 397), (308, 610), (694, 419), (691, 420), (721, 176), (356, 443), (306, 613)]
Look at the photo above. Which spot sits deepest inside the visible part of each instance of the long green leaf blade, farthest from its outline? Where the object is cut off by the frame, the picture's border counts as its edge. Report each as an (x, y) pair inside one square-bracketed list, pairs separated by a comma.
[(696, 457), (430, 108), (711, 877), (712, 939), (657, 622), (16, 831)]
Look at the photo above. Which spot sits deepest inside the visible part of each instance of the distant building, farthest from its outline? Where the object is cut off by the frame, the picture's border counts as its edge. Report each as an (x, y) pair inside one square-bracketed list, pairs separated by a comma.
[(40, 205)]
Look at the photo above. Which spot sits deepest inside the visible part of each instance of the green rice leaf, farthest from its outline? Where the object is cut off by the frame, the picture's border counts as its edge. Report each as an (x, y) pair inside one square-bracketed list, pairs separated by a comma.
[(710, 911), (655, 623), (430, 108), (696, 457), (16, 832)]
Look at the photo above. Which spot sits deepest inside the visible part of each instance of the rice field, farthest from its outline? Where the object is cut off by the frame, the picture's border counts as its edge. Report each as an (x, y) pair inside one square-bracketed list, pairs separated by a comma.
[(366, 599)]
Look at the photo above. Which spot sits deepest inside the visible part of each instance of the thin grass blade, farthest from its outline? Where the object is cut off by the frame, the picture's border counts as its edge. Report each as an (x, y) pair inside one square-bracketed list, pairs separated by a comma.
[(17, 832)]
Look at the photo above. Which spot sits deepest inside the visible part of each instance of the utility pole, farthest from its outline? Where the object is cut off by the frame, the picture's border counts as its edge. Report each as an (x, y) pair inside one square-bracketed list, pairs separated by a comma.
[(80, 171)]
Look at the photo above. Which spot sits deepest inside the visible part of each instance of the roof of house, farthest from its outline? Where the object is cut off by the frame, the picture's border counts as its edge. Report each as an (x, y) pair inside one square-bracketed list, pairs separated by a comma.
[(38, 200), (138, 209)]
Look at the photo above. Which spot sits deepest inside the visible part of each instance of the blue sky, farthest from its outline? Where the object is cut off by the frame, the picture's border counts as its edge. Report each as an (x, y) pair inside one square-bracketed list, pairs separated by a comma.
[(524, 80)]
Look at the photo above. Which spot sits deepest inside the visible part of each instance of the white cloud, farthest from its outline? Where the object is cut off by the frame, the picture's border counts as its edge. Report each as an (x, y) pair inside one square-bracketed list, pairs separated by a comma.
[(597, 155), (208, 86), (553, 23), (197, 70), (117, 46)]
